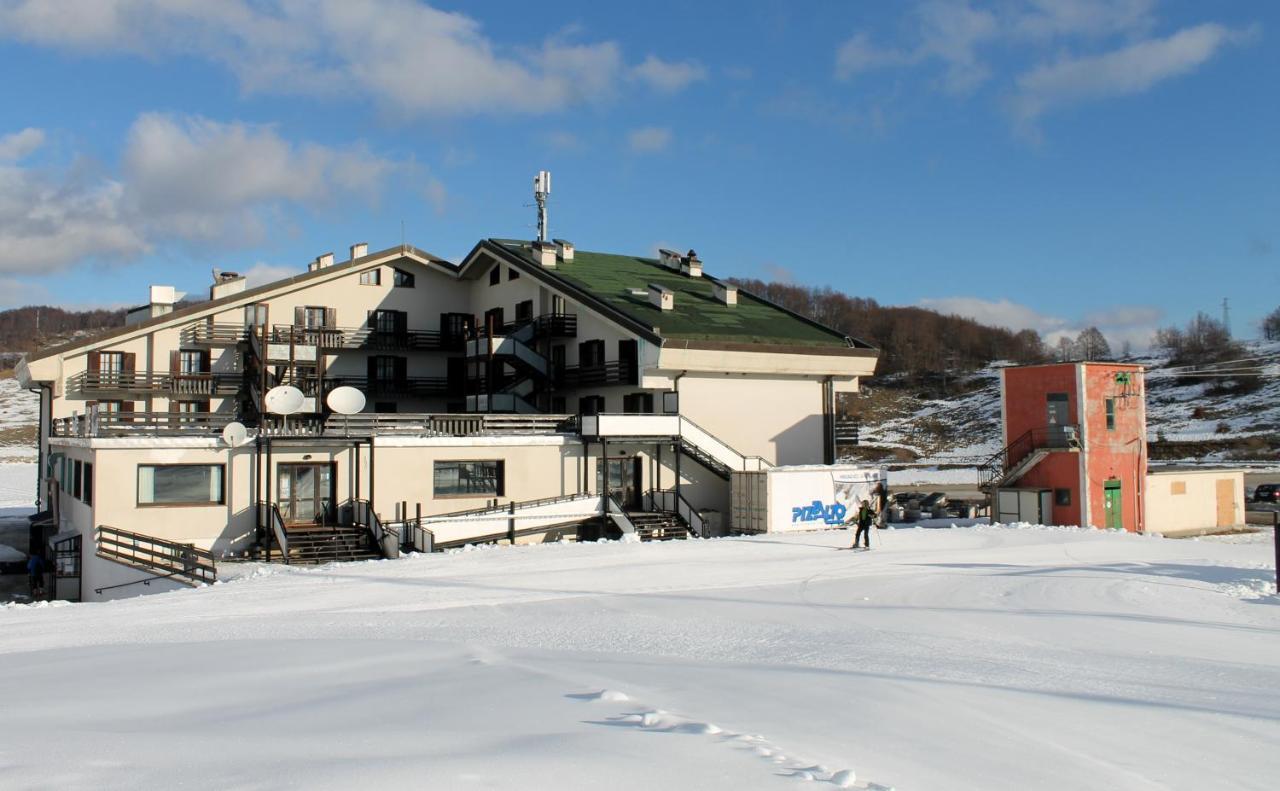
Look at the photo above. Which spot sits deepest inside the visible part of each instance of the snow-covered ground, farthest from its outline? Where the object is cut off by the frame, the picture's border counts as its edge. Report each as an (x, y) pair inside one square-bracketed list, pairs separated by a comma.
[(981, 658), (17, 487), (19, 409)]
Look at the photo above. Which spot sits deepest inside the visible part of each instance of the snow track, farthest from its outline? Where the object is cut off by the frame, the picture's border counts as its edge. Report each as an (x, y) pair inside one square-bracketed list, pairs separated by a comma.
[(980, 658)]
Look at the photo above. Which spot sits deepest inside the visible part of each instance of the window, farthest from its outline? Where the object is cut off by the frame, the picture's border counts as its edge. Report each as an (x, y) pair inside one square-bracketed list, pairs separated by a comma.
[(313, 318), (88, 483), (638, 403), (591, 405), (512, 274), (558, 405), (180, 484), (495, 275), (190, 362), (388, 322), (1062, 497), (371, 278), (78, 480), (557, 305), (255, 315), (1111, 414), (591, 354), (401, 278), (111, 363), (111, 407), (468, 478), (524, 311)]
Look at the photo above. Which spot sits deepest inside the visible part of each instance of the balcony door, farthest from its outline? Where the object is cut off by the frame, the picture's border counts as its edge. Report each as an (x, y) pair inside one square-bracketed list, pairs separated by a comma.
[(1058, 418), (304, 493)]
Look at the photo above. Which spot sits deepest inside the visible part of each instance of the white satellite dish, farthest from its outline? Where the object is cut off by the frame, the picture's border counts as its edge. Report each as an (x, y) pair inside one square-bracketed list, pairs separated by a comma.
[(345, 400), (284, 400), (235, 434)]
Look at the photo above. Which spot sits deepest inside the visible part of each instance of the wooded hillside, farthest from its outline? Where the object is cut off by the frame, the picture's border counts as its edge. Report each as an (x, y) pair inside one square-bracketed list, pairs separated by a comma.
[(27, 329), (910, 340)]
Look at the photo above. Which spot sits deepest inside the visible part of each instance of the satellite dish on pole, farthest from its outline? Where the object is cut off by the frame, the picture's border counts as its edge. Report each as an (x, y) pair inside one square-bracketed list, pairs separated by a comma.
[(345, 400), (284, 400), (235, 434)]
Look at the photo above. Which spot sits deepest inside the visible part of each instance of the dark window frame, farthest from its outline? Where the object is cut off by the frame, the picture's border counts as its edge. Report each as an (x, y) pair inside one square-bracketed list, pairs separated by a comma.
[(222, 488), (87, 493), (495, 275), (1110, 405), (402, 279), (498, 478), (1062, 497)]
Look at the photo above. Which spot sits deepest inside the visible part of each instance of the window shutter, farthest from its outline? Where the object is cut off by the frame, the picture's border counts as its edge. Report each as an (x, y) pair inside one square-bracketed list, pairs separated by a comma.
[(373, 369), (402, 369), (95, 362), (401, 322), (130, 362), (175, 361), (330, 317), (299, 316)]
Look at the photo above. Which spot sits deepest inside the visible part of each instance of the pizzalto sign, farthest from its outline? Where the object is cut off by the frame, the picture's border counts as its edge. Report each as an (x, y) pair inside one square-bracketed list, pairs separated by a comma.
[(812, 497), (817, 511)]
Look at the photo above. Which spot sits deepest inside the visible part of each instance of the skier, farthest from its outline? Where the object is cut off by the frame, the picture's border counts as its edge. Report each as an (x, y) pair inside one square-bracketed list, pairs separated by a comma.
[(865, 518)]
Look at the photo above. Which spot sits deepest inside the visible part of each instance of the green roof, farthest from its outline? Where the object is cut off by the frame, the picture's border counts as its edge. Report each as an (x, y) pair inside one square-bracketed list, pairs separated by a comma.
[(696, 315)]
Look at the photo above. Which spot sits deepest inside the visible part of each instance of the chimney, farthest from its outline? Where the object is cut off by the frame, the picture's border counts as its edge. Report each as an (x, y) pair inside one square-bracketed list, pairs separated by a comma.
[(225, 284), (564, 249), (545, 252), (161, 301), (661, 297), (670, 259), (725, 293), (691, 265), (323, 261), (359, 250)]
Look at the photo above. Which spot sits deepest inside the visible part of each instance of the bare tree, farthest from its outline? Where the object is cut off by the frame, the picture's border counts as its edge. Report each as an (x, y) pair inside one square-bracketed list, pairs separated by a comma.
[(1271, 326), (1092, 345)]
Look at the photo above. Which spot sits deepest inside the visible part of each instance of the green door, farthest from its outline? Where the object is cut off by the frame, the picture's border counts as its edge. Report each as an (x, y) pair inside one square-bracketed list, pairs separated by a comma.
[(1113, 505)]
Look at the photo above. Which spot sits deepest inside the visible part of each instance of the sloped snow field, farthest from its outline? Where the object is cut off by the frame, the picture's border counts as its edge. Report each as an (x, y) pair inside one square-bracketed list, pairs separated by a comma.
[(975, 658)]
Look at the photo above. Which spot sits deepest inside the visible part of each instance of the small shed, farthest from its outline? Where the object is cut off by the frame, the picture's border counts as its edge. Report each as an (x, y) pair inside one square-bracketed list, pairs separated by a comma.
[(1191, 500)]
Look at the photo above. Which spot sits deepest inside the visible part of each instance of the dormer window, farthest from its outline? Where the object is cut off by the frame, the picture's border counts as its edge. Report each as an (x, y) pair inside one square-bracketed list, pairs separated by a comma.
[(402, 279)]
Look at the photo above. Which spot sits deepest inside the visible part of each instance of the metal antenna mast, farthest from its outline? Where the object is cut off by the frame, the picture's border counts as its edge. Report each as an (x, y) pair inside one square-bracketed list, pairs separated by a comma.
[(541, 190), (1226, 317)]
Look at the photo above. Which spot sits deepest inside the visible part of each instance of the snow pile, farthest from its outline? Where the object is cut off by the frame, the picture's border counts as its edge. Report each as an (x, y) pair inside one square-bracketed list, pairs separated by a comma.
[(988, 658)]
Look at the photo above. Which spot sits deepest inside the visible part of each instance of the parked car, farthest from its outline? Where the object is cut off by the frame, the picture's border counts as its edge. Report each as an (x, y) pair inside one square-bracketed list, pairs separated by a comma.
[(1267, 493)]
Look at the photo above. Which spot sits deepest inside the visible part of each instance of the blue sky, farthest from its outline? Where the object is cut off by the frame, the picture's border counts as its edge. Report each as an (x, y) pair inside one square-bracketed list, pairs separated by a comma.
[(1031, 163)]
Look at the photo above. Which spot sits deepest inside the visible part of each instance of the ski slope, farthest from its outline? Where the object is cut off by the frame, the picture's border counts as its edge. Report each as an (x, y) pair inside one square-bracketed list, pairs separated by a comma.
[(976, 658)]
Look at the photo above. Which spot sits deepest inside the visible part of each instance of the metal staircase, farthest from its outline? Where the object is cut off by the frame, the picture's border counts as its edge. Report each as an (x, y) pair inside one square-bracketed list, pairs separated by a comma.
[(1011, 463)]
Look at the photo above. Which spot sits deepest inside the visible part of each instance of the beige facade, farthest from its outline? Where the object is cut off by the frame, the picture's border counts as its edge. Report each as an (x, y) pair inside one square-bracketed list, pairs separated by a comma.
[(141, 402), (1190, 501)]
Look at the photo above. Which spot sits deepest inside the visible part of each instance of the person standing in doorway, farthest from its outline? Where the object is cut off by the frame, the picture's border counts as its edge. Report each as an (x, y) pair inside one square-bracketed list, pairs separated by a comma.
[(35, 575)]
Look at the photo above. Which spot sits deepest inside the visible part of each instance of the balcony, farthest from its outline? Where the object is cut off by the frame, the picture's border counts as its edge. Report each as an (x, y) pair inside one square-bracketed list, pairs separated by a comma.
[(211, 424), (100, 384), (126, 424), (339, 338), (617, 372), (412, 386), (214, 334)]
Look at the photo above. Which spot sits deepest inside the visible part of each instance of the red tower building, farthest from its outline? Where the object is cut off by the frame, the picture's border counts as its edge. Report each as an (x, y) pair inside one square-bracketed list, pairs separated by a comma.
[(1075, 449)]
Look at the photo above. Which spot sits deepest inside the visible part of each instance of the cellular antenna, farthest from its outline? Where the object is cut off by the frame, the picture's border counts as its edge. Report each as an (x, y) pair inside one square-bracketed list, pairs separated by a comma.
[(542, 189)]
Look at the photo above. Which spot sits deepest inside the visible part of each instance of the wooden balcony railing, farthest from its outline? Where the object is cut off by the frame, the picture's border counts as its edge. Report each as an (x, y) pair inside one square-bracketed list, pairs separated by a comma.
[(121, 424), (101, 383), (207, 333), (334, 338)]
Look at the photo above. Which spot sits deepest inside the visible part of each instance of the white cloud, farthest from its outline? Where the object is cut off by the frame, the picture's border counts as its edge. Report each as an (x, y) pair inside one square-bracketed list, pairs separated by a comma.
[(1135, 324), (408, 56), (20, 144), (182, 178), (668, 76), (956, 37), (1128, 70), (436, 194), (649, 139), (261, 274)]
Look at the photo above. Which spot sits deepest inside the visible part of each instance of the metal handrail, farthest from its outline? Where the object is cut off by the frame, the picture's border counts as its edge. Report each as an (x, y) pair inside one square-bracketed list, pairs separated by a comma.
[(615, 511), (176, 559), (1064, 437), (270, 513)]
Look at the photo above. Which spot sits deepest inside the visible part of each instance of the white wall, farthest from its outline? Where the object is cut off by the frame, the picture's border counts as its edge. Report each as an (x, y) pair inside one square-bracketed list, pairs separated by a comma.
[(779, 418), (1196, 507)]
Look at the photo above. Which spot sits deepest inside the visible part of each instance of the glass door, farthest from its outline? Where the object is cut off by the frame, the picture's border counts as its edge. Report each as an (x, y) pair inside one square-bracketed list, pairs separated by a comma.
[(305, 493)]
